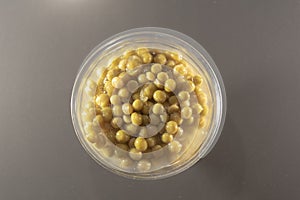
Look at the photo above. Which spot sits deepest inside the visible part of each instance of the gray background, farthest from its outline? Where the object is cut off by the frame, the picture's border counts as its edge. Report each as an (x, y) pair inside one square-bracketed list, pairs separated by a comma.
[(255, 44)]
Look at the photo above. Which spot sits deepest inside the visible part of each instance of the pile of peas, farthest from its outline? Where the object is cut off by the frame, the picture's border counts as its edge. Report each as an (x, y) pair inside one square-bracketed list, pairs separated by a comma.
[(143, 101)]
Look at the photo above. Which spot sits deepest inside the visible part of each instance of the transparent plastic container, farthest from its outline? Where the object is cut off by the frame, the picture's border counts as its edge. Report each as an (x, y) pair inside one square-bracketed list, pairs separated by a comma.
[(116, 159)]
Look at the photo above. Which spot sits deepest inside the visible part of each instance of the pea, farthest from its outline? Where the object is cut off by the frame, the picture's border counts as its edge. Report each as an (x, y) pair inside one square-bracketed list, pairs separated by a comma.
[(162, 77), (184, 96), (122, 137), (186, 112), (170, 85), (173, 108), (107, 114), (132, 86), (197, 80), (117, 82), (122, 64), (176, 117), (142, 78), (135, 154), (115, 100), (173, 100), (150, 76), (102, 100), (152, 141), (205, 110), (144, 165), (166, 138), (100, 142), (159, 96), (197, 108), (137, 105), (171, 127), (123, 93), (131, 142), (117, 122), (146, 57), (140, 144), (158, 109), (171, 63), (180, 69), (156, 68), (160, 58), (174, 147), (117, 111), (136, 118), (127, 108)]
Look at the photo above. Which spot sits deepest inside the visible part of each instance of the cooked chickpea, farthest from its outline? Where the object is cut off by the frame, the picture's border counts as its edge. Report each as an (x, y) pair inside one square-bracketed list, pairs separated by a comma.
[(133, 61), (162, 77), (107, 151), (180, 70), (146, 120), (107, 114), (197, 80), (158, 109), (135, 154), (87, 116), (122, 64), (127, 108), (173, 100), (171, 127), (190, 86), (100, 143), (144, 165), (156, 68), (146, 107), (173, 108), (186, 112), (170, 85), (123, 93), (117, 111), (132, 86), (164, 117), (142, 78), (146, 57), (140, 144), (166, 138), (202, 97), (143, 132), (197, 108), (136, 118), (136, 96), (108, 88), (174, 147), (141, 51), (154, 119), (160, 58), (171, 63), (137, 105), (115, 100), (127, 119), (91, 84), (150, 76), (131, 129), (116, 122), (102, 100), (122, 137), (183, 96), (176, 117), (91, 137), (131, 142), (152, 141), (117, 82), (205, 110), (185, 104), (159, 96), (125, 163)]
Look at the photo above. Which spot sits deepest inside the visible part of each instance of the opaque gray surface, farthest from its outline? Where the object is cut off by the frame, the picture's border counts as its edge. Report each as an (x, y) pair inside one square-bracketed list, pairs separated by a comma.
[(255, 44)]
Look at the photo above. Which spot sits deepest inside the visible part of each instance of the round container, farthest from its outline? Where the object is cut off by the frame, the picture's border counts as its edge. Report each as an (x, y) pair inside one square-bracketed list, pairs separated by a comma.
[(156, 164)]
